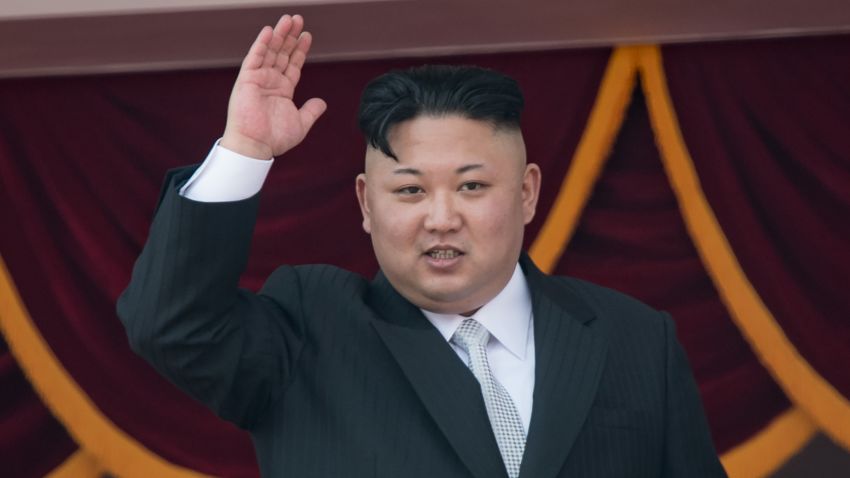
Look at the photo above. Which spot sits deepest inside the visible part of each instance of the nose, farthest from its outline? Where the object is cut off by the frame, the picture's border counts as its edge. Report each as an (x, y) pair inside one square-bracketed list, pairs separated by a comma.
[(443, 215)]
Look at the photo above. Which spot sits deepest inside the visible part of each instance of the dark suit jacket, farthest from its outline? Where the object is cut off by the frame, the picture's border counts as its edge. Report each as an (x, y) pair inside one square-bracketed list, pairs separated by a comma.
[(337, 376)]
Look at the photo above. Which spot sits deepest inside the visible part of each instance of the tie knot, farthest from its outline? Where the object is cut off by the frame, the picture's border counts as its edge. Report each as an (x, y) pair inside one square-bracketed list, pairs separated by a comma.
[(470, 334)]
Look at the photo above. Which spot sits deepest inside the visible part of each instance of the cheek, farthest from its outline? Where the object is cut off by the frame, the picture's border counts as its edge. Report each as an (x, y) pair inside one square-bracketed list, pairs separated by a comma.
[(394, 227), (493, 224), (498, 227), (498, 217)]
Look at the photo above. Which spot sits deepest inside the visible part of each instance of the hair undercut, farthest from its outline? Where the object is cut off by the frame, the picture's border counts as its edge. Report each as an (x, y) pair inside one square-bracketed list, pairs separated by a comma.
[(437, 90)]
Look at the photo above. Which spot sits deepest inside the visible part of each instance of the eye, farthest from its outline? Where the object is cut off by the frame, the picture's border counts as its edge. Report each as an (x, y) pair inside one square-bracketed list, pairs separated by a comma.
[(409, 190), (472, 186)]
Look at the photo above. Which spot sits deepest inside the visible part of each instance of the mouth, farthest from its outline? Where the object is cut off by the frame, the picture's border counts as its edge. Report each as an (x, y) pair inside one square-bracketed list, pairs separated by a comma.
[(443, 253)]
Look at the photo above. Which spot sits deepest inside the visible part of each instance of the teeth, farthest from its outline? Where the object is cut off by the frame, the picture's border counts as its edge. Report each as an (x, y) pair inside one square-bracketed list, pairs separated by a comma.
[(443, 254)]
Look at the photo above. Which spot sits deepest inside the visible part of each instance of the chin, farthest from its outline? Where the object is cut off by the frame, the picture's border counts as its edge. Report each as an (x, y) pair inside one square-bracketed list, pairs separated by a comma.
[(449, 302)]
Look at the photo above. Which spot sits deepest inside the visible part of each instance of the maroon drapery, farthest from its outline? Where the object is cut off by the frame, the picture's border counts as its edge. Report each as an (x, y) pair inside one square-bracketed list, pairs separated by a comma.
[(32, 443), (767, 127), (81, 160)]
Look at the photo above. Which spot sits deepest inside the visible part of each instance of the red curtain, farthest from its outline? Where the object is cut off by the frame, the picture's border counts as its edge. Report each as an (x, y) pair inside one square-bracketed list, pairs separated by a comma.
[(32, 443), (767, 127)]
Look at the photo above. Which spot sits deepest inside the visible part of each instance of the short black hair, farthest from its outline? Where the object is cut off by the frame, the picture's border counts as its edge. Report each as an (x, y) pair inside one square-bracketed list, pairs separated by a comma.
[(437, 90)]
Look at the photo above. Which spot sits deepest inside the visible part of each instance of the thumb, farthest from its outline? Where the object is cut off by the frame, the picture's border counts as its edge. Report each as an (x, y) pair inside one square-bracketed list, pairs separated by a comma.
[(311, 111)]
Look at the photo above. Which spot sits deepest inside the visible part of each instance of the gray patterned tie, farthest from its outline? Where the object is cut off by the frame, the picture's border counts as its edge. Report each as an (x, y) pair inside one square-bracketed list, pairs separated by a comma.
[(472, 337)]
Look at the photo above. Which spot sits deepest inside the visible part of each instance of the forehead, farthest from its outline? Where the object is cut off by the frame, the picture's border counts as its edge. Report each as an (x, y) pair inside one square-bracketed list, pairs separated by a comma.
[(450, 141)]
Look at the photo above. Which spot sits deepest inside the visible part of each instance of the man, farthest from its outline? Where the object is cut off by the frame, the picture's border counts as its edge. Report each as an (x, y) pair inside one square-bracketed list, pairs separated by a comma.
[(461, 358)]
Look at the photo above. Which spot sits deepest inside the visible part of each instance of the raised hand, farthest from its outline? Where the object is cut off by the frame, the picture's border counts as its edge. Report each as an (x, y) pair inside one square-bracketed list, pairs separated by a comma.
[(262, 119)]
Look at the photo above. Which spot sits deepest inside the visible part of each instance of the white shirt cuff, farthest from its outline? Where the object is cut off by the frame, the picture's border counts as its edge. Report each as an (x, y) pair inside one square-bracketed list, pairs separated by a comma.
[(226, 176)]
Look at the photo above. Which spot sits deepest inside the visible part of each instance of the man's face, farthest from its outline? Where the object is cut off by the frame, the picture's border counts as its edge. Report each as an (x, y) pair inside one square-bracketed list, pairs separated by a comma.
[(447, 218)]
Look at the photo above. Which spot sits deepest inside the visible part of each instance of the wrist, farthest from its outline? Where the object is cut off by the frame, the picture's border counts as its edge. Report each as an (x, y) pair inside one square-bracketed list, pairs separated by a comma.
[(246, 146)]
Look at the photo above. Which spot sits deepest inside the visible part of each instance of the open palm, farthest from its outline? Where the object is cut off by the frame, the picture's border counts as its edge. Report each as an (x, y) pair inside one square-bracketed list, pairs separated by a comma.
[(262, 119)]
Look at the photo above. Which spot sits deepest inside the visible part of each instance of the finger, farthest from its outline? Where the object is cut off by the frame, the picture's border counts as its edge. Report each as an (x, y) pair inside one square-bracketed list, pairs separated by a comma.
[(289, 43), (283, 57), (274, 49), (257, 52), (284, 24), (297, 26), (299, 56), (281, 62), (311, 111), (279, 34)]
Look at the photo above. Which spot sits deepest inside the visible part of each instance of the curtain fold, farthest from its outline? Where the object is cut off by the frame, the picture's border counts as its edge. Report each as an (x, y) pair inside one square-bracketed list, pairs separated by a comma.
[(27, 428), (766, 126)]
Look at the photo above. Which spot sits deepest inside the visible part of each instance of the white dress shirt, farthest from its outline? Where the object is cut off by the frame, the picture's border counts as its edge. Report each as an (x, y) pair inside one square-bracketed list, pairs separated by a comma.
[(510, 351), (228, 176)]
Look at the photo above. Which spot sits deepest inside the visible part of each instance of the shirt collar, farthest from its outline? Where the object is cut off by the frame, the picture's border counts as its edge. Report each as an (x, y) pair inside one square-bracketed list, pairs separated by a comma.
[(506, 316)]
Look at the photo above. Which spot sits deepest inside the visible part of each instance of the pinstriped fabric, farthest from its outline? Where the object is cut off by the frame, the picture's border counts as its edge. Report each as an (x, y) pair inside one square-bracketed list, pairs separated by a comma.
[(335, 376)]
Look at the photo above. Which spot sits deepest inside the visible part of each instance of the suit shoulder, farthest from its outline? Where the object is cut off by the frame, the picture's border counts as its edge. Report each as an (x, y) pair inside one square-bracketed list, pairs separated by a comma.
[(308, 284), (322, 280), (615, 308)]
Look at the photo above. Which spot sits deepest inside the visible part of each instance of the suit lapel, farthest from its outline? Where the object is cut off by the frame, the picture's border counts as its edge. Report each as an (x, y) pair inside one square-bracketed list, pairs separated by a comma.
[(447, 388), (570, 355)]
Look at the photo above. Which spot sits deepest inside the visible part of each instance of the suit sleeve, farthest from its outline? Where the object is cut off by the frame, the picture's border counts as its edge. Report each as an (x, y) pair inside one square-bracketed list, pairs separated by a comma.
[(689, 448), (184, 313)]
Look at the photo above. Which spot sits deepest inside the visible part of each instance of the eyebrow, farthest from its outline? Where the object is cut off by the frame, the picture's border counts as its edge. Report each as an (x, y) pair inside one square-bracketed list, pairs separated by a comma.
[(469, 167), (412, 171), (460, 170)]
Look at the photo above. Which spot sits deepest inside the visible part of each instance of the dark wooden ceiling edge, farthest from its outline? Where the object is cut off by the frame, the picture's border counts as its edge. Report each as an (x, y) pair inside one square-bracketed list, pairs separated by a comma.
[(217, 38), (429, 52)]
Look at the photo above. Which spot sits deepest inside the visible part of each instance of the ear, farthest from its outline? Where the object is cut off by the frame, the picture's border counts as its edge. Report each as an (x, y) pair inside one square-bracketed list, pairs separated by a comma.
[(360, 188), (530, 191)]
